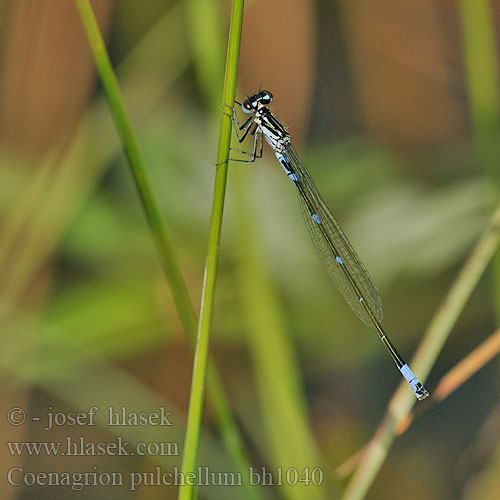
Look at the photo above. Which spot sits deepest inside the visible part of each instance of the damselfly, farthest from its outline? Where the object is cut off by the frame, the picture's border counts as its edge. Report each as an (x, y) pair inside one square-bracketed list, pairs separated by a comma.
[(341, 261)]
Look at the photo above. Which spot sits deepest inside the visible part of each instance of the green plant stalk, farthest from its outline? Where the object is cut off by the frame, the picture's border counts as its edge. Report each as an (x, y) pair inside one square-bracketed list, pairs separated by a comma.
[(225, 419), (481, 67), (148, 195), (482, 76), (434, 339), (196, 401), (204, 23)]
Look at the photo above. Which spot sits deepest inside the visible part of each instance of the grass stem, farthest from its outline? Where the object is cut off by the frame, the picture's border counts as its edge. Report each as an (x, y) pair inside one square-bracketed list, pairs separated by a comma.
[(225, 419), (196, 401)]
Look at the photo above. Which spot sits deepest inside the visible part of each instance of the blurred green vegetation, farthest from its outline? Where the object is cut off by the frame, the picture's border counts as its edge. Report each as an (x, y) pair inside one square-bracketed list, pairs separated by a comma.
[(88, 319)]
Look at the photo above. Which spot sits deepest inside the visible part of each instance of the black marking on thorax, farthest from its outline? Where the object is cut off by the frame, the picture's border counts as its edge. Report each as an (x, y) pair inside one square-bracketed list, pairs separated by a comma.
[(274, 132)]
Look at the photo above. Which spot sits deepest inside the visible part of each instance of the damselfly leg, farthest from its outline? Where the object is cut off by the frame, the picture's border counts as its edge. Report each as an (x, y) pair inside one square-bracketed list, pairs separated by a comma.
[(247, 129)]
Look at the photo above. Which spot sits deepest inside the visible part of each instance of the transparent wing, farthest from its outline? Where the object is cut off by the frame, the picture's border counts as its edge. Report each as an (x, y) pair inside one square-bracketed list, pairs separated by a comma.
[(349, 274)]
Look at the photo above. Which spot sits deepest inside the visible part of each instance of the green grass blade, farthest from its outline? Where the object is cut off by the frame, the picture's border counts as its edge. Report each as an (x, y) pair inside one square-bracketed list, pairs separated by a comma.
[(481, 67), (196, 401), (434, 339), (148, 195), (482, 75), (149, 198), (204, 27)]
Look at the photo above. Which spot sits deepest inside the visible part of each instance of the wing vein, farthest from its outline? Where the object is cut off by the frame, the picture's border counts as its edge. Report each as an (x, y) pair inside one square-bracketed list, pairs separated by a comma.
[(331, 242)]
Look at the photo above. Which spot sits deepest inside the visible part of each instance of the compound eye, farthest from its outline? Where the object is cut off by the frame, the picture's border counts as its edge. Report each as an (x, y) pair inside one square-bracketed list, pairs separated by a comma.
[(267, 97), (247, 107)]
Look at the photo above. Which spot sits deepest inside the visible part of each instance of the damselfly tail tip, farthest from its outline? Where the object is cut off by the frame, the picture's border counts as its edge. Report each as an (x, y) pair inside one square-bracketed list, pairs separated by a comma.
[(419, 390)]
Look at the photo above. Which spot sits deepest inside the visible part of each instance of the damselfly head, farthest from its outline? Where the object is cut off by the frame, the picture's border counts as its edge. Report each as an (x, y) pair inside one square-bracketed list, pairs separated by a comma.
[(252, 104), (265, 97)]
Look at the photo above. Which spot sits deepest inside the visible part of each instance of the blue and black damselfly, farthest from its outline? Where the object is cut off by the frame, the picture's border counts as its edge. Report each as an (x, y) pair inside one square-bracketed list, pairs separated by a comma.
[(341, 261)]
